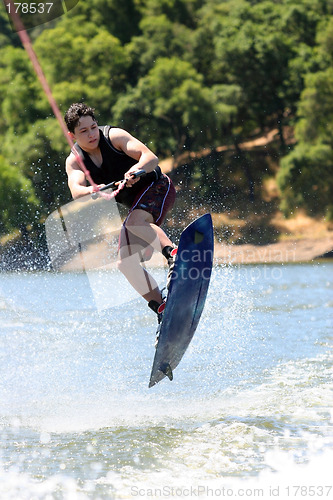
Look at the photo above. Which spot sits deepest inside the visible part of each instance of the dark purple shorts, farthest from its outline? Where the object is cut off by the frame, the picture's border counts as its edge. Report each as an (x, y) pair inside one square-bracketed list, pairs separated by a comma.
[(157, 198)]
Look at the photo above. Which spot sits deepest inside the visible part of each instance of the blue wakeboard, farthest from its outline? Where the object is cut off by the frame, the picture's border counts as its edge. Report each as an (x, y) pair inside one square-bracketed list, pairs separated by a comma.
[(186, 297)]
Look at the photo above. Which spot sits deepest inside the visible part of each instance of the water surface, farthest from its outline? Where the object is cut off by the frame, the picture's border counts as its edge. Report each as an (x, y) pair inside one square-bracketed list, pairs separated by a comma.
[(250, 405)]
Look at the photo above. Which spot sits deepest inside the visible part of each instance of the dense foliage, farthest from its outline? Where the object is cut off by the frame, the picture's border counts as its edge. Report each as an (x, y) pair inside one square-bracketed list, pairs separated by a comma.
[(181, 75)]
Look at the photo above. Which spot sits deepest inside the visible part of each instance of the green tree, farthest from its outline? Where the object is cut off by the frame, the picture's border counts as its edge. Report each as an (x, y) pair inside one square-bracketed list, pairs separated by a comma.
[(18, 203), (171, 109), (305, 177), (180, 74), (119, 17), (20, 92), (306, 173), (94, 71), (7, 36), (160, 37), (40, 156), (179, 11), (264, 47)]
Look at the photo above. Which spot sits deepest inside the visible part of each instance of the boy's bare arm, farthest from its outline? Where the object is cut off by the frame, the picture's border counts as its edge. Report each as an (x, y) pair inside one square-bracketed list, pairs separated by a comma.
[(146, 159), (76, 179)]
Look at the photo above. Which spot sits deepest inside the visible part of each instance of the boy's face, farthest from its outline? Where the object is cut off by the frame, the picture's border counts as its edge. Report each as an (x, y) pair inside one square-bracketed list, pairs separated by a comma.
[(86, 133)]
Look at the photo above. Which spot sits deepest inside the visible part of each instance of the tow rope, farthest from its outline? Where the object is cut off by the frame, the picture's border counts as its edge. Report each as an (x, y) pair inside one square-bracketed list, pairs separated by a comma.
[(26, 42)]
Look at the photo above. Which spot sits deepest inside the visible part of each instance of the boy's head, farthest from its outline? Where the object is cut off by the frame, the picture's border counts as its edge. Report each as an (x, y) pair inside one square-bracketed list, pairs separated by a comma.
[(75, 112)]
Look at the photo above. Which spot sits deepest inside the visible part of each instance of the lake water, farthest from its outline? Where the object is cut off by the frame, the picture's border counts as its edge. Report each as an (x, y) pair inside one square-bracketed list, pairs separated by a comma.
[(248, 414)]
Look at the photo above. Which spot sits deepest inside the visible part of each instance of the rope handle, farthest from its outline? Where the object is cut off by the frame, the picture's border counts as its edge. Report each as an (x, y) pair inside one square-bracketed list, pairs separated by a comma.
[(113, 185)]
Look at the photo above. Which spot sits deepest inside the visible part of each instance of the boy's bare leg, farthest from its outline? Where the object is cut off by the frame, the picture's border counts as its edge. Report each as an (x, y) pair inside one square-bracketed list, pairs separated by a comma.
[(139, 278), (129, 263), (141, 224)]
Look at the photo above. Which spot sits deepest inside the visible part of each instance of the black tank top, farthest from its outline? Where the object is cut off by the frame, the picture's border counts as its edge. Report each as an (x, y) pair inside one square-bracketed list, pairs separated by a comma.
[(114, 166)]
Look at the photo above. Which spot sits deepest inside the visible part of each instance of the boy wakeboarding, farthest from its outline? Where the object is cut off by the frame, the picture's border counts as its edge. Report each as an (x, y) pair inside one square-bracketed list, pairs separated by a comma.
[(112, 154)]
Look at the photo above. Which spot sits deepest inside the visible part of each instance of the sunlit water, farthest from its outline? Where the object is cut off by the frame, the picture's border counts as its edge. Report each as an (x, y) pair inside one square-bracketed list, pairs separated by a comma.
[(249, 412)]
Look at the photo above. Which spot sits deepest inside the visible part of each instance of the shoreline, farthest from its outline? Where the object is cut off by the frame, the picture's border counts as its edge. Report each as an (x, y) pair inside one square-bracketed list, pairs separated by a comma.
[(291, 250), (283, 252), (288, 251)]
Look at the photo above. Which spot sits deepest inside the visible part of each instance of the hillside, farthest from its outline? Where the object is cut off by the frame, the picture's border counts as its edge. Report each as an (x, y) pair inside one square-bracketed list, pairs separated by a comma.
[(258, 232)]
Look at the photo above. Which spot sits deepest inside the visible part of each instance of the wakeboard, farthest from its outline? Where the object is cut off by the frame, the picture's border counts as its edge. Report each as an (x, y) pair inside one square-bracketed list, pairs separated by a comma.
[(186, 297)]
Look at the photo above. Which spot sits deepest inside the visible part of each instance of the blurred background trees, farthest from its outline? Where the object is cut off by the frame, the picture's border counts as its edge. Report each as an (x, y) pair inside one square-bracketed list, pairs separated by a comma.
[(196, 80)]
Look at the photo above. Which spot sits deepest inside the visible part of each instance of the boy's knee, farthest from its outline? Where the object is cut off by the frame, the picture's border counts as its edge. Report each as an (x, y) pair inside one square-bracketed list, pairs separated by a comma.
[(128, 262), (137, 218)]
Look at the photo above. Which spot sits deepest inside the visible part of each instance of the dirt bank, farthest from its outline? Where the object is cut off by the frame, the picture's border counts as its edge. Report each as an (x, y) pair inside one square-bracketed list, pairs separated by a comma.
[(301, 239), (300, 250), (290, 251)]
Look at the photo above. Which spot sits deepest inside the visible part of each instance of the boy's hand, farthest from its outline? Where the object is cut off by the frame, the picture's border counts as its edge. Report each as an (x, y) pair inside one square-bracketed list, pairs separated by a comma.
[(94, 190), (130, 176)]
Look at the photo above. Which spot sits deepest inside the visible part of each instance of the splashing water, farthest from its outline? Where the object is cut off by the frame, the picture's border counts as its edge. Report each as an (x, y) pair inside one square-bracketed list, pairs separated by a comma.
[(249, 407)]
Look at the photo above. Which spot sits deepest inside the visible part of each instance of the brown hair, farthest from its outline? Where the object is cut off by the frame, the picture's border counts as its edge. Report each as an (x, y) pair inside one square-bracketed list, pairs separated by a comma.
[(75, 112)]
